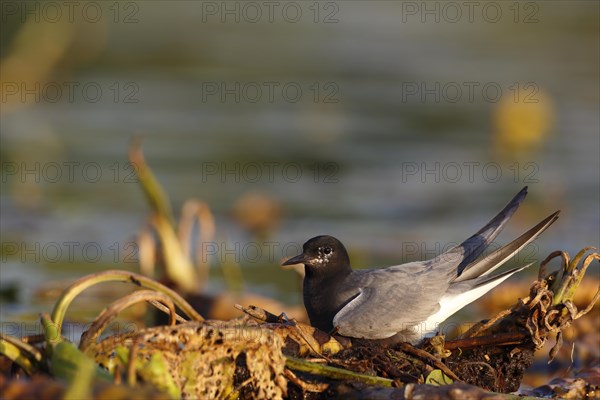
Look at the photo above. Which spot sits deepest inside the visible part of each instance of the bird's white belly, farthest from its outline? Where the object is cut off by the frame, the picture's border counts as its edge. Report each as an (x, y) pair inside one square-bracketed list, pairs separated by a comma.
[(450, 305)]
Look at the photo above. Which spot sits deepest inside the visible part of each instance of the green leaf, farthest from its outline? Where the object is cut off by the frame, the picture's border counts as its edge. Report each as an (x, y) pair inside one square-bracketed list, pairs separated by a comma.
[(156, 372), (70, 364), (25, 355), (438, 378)]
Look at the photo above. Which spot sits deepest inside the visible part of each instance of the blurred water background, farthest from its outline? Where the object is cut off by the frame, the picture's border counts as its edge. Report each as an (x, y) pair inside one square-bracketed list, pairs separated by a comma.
[(399, 127)]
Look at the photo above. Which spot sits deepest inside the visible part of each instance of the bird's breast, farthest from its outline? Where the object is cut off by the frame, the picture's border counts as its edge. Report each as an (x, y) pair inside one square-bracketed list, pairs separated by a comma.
[(323, 298)]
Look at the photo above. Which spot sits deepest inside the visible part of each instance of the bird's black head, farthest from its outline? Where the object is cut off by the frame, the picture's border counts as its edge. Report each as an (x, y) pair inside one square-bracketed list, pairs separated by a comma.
[(322, 252)]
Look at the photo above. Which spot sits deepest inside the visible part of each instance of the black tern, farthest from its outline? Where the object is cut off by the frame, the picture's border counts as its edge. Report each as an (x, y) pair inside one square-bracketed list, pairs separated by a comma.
[(405, 302)]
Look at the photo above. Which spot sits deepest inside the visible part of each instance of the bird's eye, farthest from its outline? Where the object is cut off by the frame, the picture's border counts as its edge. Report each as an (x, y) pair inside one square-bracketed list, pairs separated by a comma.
[(327, 250)]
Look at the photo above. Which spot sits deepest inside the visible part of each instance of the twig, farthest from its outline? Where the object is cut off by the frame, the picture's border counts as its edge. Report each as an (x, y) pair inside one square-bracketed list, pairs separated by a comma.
[(69, 294), (109, 313), (258, 313), (407, 348), (265, 316), (26, 356), (491, 322), (589, 307), (334, 372), (308, 343), (551, 256), (166, 310), (499, 339), (305, 386)]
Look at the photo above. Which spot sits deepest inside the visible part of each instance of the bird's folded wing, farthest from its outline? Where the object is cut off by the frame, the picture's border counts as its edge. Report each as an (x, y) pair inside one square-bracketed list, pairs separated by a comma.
[(498, 257), (460, 257), (389, 302)]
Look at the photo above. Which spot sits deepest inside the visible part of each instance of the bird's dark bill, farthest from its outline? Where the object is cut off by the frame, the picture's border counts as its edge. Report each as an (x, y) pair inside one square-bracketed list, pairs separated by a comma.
[(299, 259)]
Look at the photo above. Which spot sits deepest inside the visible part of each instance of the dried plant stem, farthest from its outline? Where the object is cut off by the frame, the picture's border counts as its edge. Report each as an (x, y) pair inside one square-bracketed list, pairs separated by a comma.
[(60, 309), (422, 354), (26, 356), (499, 339), (109, 313), (297, 364)]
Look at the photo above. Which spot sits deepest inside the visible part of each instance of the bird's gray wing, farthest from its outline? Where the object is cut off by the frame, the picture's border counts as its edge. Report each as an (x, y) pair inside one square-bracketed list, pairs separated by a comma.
[(389, 301), (454, 261), (495, 259)]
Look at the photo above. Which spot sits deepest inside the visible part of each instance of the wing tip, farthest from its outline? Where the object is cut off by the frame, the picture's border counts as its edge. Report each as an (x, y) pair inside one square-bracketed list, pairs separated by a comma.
[(549, 220), (525, 189), (483, 279), (483, 267), (523, 192)]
